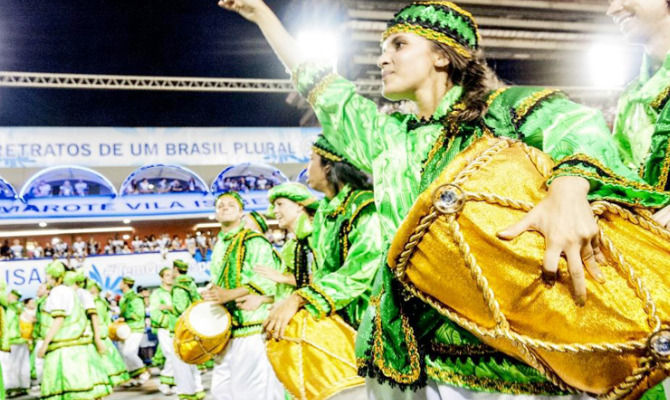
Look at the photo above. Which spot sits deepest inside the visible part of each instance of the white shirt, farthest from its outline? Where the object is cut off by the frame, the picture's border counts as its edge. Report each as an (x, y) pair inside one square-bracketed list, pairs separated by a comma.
[(60, 298), (17, 249)]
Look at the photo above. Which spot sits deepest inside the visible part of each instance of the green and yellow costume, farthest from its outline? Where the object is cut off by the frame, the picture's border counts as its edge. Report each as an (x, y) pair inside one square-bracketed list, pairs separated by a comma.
[(112, 360), (642, 132), (235, 255), (348, 244), (4, 343), (297, 254), (161, 319), (71, 370), (404, 341)]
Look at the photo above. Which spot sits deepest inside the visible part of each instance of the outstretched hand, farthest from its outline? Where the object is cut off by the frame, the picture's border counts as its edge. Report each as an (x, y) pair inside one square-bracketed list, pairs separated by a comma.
[(246, 8), (568, 225)]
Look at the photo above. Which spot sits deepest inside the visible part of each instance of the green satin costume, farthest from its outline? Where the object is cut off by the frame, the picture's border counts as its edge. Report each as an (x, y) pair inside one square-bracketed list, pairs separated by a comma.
[(404, 155), (348, 245), (133, 310), (184, 293), (298, 257), (642, 126), (4, 344), (161, 319), (642, 132), (234, 258), (112, 359), (71, 370)]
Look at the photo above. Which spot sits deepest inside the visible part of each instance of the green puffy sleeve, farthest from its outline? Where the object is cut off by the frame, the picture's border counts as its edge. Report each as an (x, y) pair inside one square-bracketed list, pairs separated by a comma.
[(134, 312), (184, 293), (350, 122), (159, 318), (259, 252), (579, 141), (333, 291)]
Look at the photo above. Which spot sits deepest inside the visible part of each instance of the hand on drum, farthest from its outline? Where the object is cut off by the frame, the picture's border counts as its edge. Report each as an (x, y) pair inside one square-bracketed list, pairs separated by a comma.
[(281, 314), (663, 217), (246, 8), (568, 225), (251, 302), (216, 294)]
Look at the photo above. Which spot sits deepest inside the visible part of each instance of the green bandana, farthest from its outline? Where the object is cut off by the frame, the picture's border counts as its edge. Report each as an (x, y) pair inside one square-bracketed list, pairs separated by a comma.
[(128, 280), (296, 192), (234, 195), (259, 220), (323, 148), (441, 21), (181, 265)]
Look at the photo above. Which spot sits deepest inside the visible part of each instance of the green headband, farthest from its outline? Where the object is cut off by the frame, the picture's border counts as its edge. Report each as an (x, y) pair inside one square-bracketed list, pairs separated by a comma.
[(259, 220), (129, 280), (234, 195), (180, 265), (322, 147), (296, 192), (55, 269), (440, 21)]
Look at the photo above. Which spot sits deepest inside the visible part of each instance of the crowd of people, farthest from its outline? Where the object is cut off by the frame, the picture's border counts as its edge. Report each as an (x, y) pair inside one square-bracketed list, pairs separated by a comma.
[(248, 183), (339, 265), (163, 185), (64, 189)]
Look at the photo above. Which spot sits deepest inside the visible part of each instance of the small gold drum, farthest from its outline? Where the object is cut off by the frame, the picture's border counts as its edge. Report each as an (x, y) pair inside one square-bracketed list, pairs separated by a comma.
[(315, 359), (202, 332), (119, 331), (447, 253)]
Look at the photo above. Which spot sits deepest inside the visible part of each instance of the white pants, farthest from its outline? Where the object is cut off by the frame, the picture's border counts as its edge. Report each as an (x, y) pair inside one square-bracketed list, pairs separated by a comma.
[(39, 362), (186, 376), (16, 367), (440, 391), (165, 342), (245, 372), (129, 352)]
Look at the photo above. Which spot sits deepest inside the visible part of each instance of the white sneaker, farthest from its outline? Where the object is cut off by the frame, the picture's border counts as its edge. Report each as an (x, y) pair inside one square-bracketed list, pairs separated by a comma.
[(129, 384), (165, 389), (143, 378)]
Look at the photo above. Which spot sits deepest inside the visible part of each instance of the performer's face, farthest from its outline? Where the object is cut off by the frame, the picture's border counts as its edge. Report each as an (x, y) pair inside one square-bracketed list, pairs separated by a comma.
[(316, 173), (639, 20), (228, 210), (409, 64), (167, 277), (286, 212)]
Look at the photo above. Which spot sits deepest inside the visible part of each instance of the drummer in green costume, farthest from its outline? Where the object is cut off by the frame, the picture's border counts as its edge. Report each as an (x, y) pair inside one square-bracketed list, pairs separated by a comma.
[(293, 206), (133, 313), (236, 253), (71, 370), (431, 56), (17, 369), (642, 125), (111, 358), (162, 323), (183, 294), (346, 239)]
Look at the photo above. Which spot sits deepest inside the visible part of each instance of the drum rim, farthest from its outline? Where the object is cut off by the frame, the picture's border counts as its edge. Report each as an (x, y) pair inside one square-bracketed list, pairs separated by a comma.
[(187, 323)]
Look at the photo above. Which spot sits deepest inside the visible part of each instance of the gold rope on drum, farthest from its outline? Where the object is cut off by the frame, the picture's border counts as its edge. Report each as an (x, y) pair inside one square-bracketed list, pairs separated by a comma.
[(449, 199)]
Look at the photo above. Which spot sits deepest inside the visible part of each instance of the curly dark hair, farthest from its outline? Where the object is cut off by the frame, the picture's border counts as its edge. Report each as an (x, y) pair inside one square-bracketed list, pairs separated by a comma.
[(476, 78), (341, 173)]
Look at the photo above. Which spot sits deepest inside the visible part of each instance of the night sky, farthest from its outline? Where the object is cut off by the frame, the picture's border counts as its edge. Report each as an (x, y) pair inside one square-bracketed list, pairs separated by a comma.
[(159, 38)]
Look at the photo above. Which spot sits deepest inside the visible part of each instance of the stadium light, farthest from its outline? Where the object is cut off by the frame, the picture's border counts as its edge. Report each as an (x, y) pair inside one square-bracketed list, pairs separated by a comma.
[(318, 45)]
